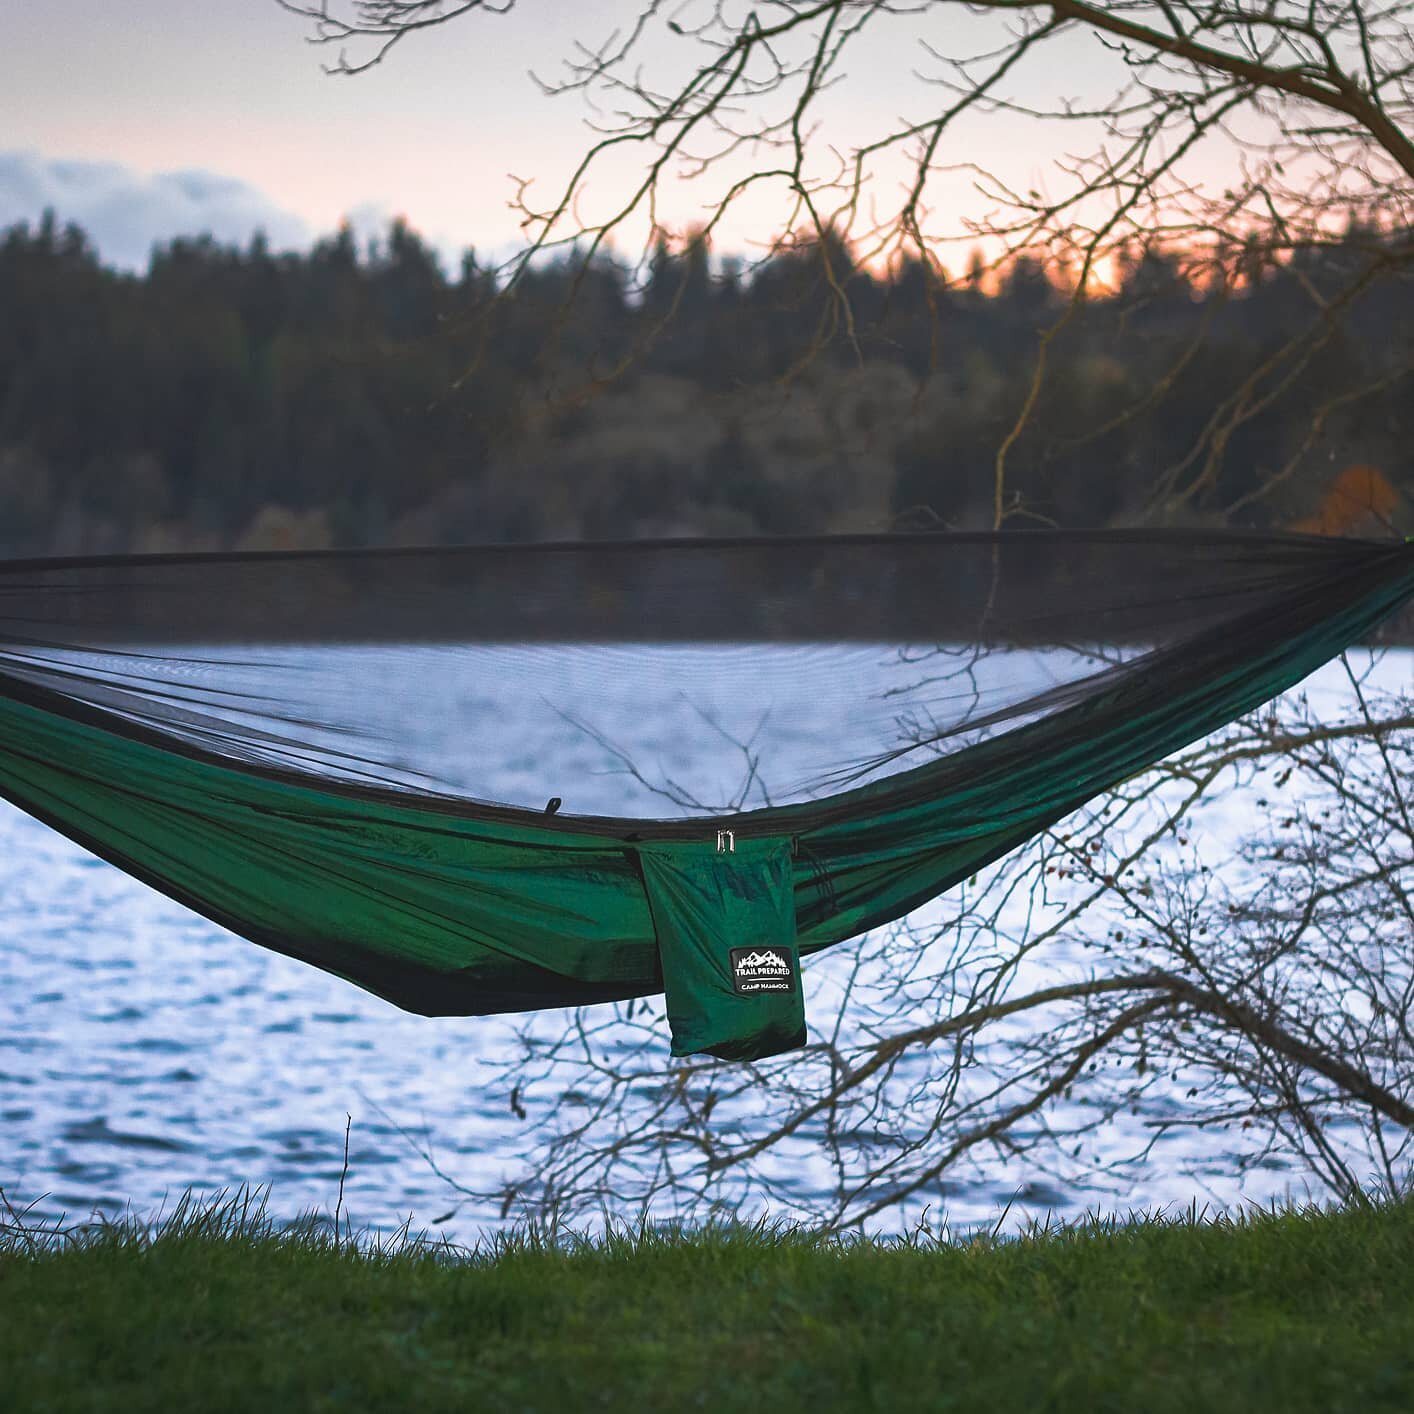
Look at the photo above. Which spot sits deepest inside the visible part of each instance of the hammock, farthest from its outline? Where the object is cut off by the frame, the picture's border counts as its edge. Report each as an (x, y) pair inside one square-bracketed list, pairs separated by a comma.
[(497, 779)]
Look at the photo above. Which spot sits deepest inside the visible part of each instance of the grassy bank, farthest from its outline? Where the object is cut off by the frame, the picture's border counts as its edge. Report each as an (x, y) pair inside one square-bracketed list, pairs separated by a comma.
[(1298, 1311)]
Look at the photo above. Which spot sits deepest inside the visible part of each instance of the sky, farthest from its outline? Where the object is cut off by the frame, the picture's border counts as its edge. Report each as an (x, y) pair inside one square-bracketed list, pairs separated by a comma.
[(146, 119)]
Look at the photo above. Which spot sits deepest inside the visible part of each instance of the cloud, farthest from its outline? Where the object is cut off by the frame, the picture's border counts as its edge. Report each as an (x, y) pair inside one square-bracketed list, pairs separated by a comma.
[(369, 221), (125, 212)]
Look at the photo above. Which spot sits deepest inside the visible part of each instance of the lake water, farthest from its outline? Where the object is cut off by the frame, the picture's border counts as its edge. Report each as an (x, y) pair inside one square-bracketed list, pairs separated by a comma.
[(144, 1051)]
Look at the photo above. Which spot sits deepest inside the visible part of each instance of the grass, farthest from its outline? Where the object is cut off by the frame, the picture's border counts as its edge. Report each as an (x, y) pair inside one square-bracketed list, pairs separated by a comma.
[(217, 1309)]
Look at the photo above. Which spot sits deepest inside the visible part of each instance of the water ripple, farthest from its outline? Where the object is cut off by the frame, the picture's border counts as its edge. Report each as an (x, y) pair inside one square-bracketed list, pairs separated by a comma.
[(145, 1050)]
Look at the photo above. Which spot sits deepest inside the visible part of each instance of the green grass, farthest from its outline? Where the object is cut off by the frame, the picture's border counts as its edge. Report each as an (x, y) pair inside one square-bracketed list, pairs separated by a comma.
[(217, 1310)]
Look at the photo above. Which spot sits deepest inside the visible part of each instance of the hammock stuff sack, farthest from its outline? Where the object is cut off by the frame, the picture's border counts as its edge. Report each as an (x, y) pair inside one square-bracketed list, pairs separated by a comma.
[(496, 779)]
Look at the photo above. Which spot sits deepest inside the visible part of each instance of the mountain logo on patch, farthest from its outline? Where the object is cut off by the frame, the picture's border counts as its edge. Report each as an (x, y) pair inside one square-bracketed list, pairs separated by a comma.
[(761, 970)]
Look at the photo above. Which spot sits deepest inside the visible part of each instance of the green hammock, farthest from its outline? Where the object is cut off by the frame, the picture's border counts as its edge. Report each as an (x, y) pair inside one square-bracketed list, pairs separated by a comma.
[(163, 713)]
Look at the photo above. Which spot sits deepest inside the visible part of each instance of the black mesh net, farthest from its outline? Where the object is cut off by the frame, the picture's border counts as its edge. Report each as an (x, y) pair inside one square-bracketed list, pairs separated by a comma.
[(648, 680)]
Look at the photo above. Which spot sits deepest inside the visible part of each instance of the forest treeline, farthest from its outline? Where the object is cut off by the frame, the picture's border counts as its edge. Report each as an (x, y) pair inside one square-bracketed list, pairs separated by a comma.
[(346, 396)]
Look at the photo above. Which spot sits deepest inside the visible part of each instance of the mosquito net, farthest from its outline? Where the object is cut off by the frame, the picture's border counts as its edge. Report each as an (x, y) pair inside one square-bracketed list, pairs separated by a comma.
[(496, 777)]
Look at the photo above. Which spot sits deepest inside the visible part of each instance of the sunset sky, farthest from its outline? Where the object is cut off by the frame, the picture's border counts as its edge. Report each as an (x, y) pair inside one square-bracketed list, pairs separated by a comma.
[(153, 118)]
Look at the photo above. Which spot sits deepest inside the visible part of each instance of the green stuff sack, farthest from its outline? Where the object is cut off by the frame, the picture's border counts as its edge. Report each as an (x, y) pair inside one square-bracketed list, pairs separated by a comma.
[(724, 916)]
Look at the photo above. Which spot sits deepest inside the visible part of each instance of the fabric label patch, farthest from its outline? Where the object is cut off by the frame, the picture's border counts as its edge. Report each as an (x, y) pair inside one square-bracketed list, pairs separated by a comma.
[(761, 970)]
